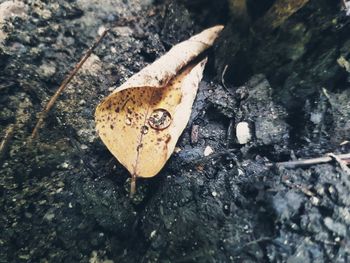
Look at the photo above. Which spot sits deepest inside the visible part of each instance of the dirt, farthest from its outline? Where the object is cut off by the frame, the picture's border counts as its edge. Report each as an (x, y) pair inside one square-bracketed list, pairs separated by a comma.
[(64, 198)]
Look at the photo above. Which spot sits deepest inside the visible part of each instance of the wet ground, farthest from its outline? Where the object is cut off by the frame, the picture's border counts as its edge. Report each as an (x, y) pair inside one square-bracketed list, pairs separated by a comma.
[(64, 198)]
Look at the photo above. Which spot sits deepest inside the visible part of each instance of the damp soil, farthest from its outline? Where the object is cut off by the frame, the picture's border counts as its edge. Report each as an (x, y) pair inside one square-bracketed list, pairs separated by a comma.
[(64, 198)]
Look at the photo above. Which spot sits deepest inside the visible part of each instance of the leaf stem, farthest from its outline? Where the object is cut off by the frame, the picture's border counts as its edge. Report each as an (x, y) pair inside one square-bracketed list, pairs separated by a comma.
[(133, 185)]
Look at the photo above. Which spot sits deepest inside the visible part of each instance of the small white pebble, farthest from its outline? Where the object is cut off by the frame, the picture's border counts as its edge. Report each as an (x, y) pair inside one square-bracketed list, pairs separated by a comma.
[(347, 8), (49, 216), (101, 29), (153, 233), (177, 149), (208, 151), (84, 146), (315, 200), (243, 133), (240, 172), (113, 50), (214, 194)]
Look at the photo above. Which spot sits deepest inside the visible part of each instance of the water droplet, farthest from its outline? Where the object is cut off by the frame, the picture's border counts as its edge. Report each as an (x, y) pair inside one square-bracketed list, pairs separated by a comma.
[(144, 129), (128, 121), (159, 119)]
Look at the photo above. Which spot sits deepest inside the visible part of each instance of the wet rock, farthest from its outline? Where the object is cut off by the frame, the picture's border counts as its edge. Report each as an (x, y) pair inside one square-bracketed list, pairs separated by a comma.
[(341, 115), (186, 215), (178, 24), (268, 117), (7, 115), (337, 228), (99, 199), (223, 101), (47, 70), (10, 9), (288, 205), (65, 199)]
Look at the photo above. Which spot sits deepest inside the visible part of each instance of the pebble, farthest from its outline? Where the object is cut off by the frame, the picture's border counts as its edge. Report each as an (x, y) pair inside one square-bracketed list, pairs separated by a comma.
[(243, 133), (208, 151), (123, 31), (49, 216), (113, 50), (65, 165), (84, 147), (10, 9), (177, 149), (100, 30), (46, 70), (153, 233), (335, 227), (315, 200)]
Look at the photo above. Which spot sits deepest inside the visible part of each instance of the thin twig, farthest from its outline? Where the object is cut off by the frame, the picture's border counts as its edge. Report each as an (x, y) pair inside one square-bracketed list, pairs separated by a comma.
[(133, 185), (342, 163), (223, 78), (308, 162), (300, 187), (7, 138), (253, 242), (42, 115)]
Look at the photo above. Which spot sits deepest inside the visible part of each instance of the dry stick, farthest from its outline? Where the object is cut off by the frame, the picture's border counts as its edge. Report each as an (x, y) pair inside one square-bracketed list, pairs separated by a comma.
[(50, 104), (342, 163), (308, 162), (133, 185), (255, 242), (223, 78), (5, 142)]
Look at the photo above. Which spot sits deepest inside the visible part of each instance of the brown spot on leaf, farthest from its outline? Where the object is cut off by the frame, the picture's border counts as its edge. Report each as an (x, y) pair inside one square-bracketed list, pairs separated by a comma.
[(109, 106), (167, 138)]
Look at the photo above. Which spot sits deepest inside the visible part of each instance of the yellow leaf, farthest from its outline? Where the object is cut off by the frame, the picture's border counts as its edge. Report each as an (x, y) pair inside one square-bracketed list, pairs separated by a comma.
[(141, 121)]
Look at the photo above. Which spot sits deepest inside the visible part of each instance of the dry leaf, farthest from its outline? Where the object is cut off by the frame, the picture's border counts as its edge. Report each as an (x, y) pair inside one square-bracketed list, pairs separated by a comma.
[(141, 121)]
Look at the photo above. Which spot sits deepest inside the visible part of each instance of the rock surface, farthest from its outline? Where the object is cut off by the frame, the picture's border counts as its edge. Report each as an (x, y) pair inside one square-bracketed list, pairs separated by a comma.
[(64, 198)]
